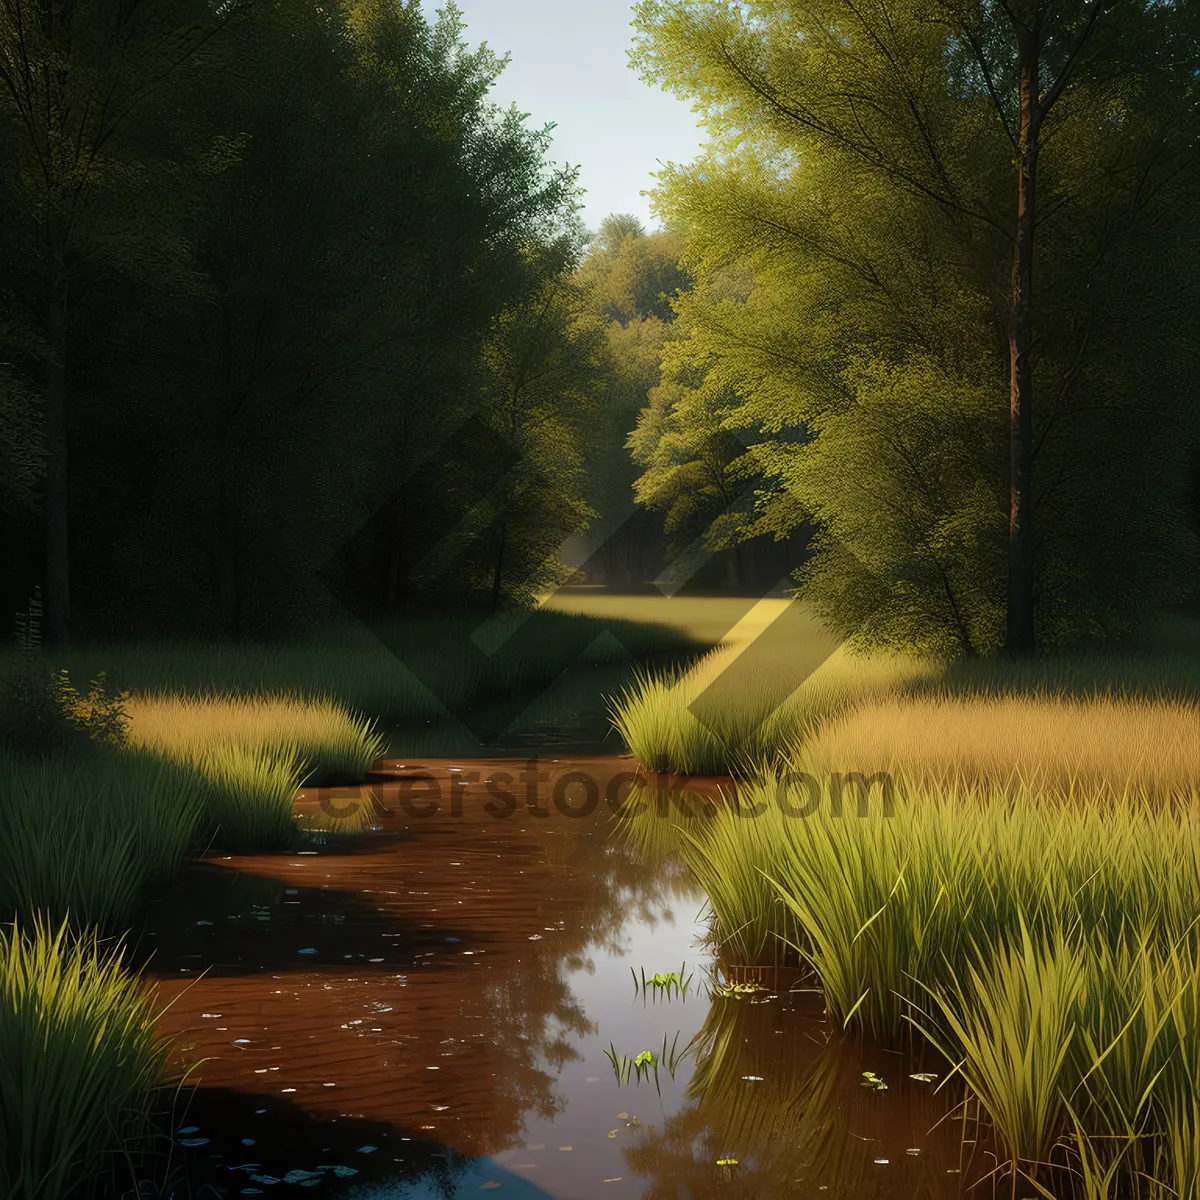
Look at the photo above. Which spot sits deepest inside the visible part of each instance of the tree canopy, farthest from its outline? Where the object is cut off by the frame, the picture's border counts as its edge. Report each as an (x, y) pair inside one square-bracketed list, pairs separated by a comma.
[(897, 381)]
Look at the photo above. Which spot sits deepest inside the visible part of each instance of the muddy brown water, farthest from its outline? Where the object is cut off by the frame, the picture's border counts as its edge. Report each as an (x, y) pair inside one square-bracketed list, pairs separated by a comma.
[(423, 1009)]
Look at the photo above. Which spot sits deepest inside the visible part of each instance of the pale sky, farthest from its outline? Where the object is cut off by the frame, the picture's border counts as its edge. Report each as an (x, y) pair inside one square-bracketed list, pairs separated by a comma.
[(569, 65)]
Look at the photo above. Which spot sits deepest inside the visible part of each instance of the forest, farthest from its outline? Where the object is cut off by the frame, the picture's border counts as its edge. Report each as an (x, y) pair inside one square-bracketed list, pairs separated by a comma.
[(284, 290)]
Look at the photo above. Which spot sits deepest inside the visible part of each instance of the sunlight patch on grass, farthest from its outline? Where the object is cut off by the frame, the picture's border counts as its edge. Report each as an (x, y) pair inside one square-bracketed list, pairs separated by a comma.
[(730, 712), (321, 734), (1042, 741)]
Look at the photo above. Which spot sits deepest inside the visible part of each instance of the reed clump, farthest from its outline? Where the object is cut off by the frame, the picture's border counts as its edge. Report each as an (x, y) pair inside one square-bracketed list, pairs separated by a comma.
[(79, 1059), (320, 733), (85, 835), (718, 717), (1046, 941)]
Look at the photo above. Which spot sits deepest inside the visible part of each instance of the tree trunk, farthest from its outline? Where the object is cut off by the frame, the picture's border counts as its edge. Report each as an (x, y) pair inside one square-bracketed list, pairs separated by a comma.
[(57, 567), (1020, 639), (499, 568)]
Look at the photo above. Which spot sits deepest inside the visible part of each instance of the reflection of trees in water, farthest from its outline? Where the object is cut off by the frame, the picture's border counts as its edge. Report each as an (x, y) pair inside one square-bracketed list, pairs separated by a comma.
[(543, 892), (802, 1120)]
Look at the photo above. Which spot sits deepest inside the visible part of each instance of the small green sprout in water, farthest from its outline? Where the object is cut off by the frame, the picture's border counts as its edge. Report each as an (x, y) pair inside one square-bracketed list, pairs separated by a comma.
[(647, 1063), (873, 1081), (621, 1064), (672, 983)]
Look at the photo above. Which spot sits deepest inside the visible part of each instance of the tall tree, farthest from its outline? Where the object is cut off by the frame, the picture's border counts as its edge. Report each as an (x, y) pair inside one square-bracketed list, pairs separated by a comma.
[(883, 167), (633, 280), (78, 80), (543, 363)]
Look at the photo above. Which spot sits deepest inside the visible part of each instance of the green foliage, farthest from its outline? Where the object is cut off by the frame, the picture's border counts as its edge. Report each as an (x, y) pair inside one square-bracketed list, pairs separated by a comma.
[(542, 364), (634, 275), (41, 710), (859, 176), (78, 1058), (1046, 944), (632, 281), (276, 298)]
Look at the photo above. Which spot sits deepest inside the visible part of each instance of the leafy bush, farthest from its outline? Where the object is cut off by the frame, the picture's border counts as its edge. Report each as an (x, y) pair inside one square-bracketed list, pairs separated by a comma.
[(40, 709)]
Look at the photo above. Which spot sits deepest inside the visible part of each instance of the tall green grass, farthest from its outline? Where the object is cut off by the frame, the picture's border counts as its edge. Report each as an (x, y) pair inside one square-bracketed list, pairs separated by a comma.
[(737, 710), (86, 835), (720, 717), (79, 1059), (1047, 942)]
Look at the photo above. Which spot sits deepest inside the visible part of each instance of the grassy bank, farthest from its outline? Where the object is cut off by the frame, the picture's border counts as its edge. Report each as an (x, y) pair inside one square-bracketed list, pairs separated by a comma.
[(750, 704), (1046, 942), (1027, 901), (106, 788), (735, 712), (79, 1060)]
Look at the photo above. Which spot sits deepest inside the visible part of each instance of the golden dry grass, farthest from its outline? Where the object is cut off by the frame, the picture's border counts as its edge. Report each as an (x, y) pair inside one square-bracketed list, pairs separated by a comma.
[(1114, 743), (322, 733)]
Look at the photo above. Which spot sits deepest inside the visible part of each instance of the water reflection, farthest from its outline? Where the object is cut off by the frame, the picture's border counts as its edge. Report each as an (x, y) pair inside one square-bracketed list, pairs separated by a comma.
[(427, 1009)]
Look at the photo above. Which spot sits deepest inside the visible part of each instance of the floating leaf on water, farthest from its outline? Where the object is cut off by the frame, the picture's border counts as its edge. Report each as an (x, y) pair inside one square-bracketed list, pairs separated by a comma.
[(727, 1162), (923, 1076), (873, 1081), (612, 1133), (622, 1116), (193, 1141), (491, 1183), (190, 1129), (913, 1150), (307, 950), (367, 1149), (753, 1078), (634, 1122), (645, 1059), (883, 1162)]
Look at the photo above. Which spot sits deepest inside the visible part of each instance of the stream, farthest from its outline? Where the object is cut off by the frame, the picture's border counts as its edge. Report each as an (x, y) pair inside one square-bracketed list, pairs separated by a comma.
[(449, 1003)]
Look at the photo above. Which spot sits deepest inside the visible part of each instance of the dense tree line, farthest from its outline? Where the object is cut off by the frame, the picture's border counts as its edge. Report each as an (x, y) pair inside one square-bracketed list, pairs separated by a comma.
[(262, 264), (947, 268)]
